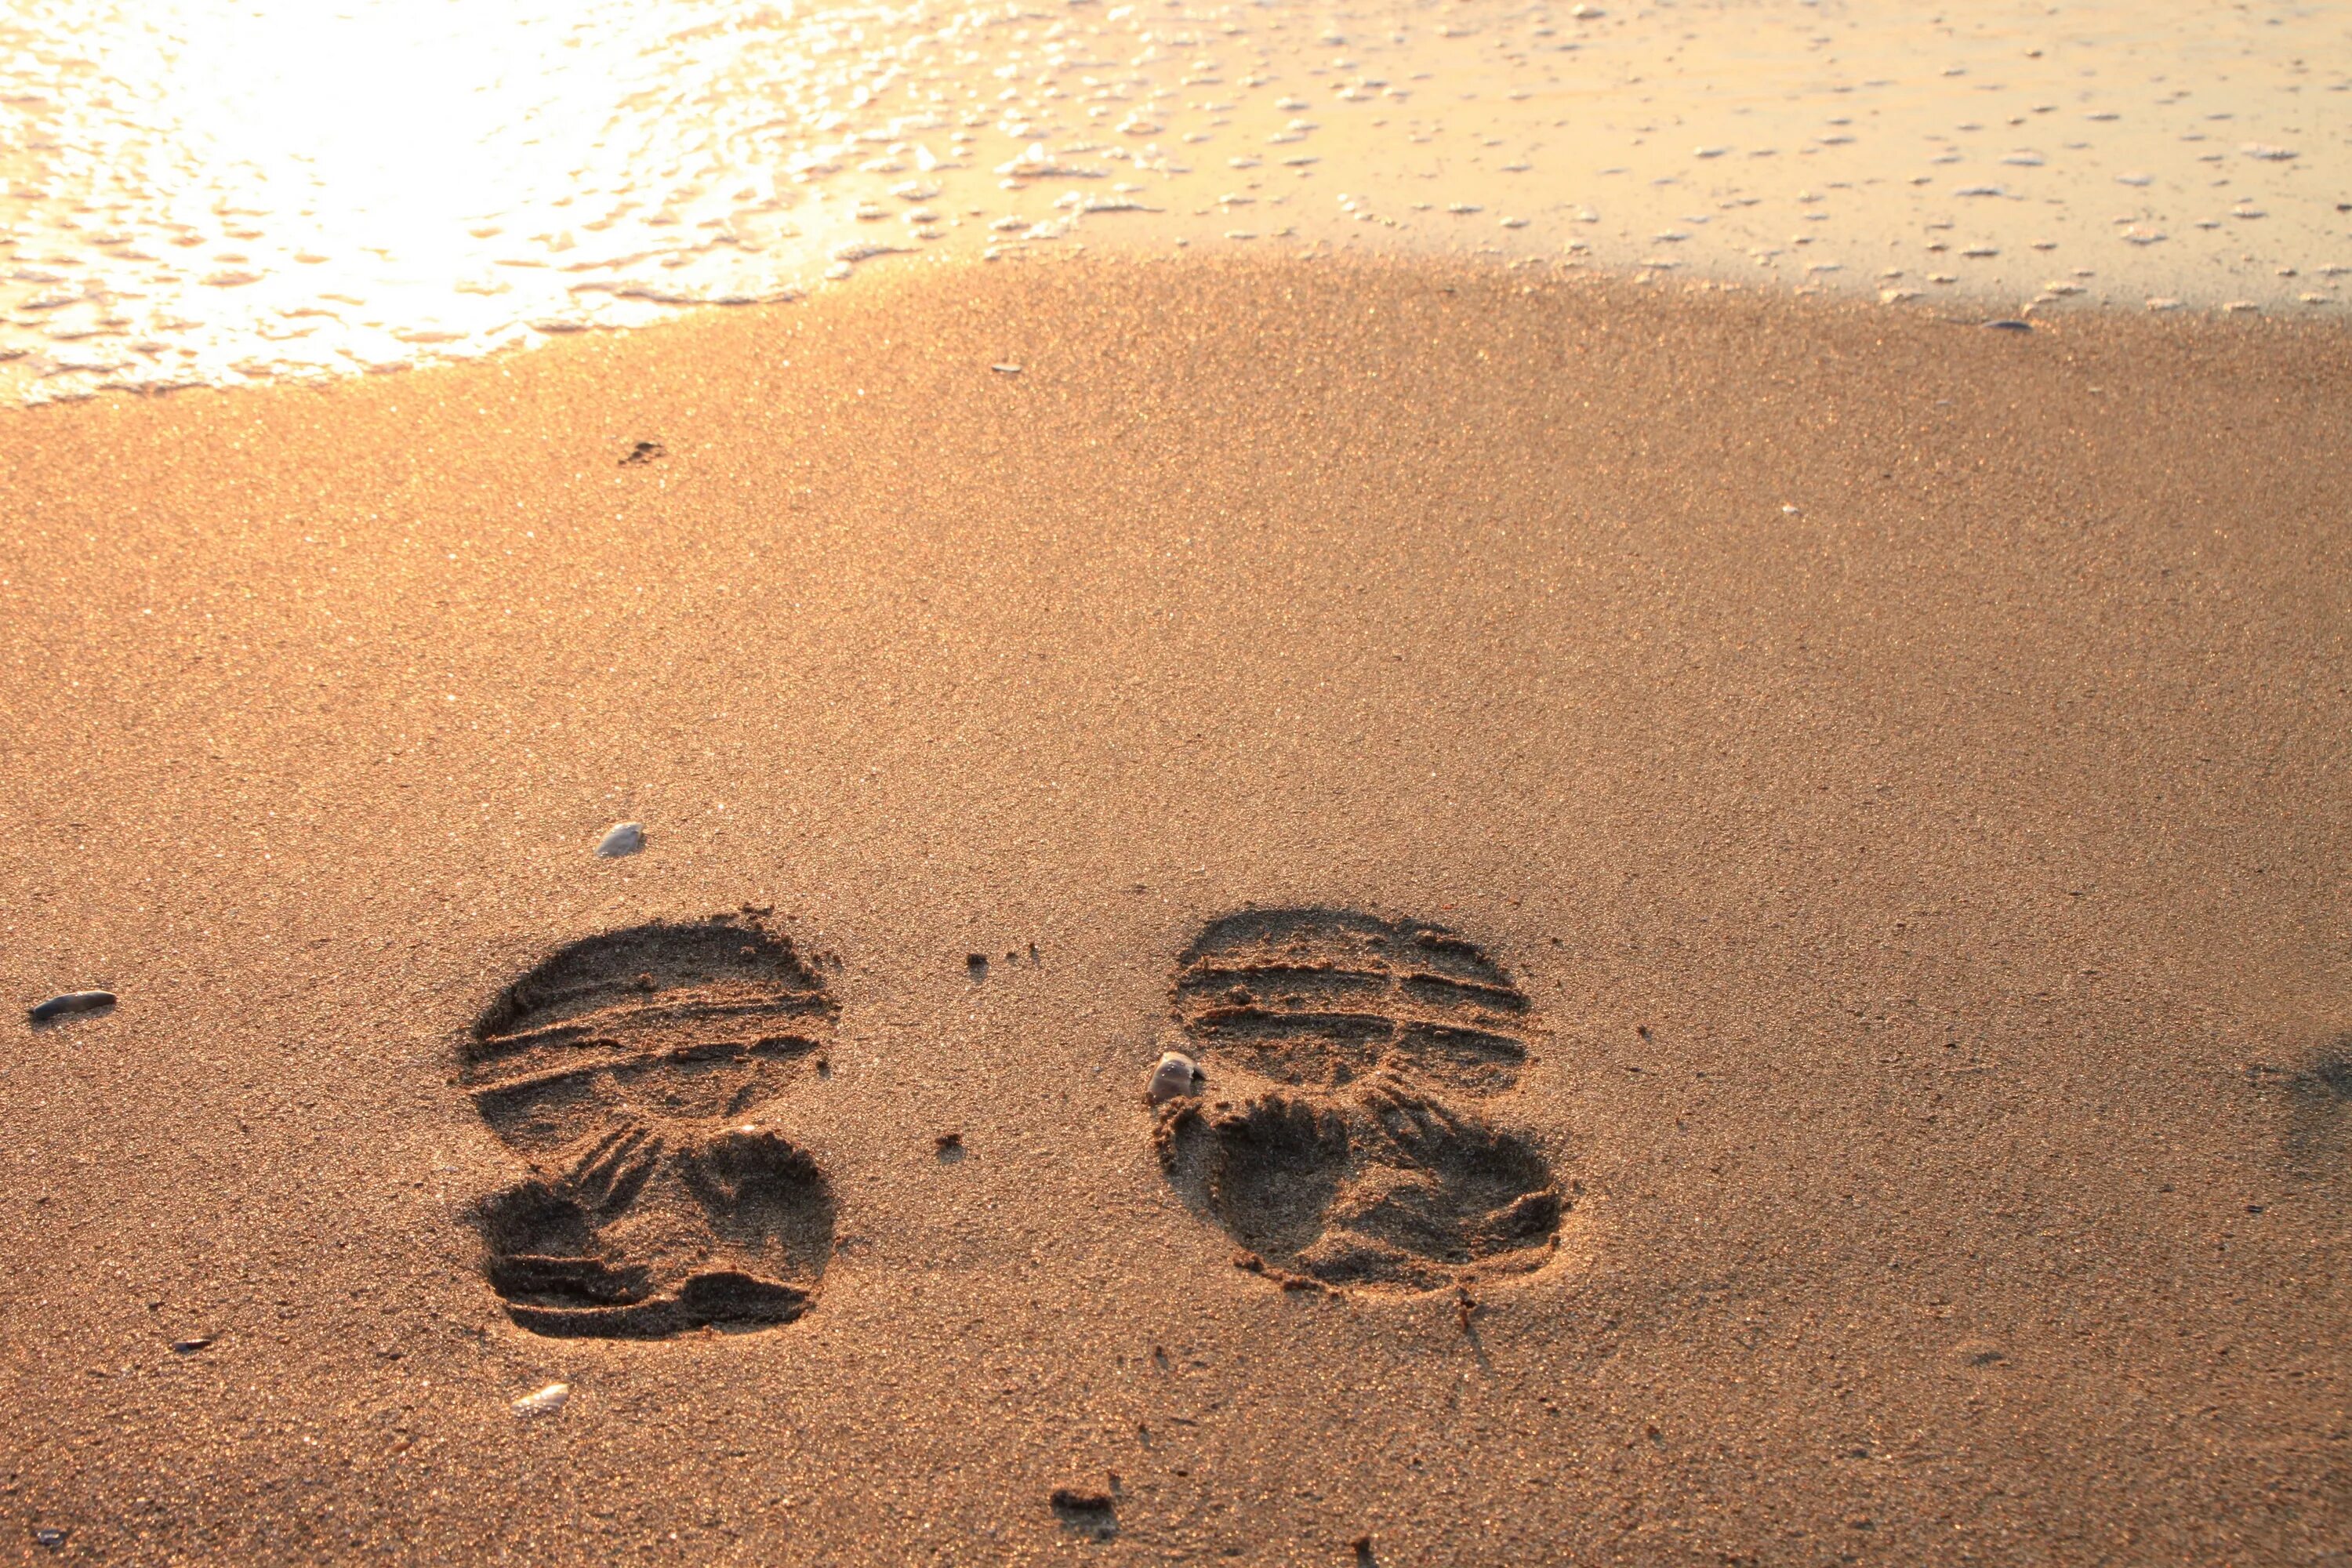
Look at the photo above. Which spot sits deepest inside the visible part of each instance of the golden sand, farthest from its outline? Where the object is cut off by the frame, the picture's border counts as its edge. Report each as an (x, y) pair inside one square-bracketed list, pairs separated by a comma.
[(1896, 766)]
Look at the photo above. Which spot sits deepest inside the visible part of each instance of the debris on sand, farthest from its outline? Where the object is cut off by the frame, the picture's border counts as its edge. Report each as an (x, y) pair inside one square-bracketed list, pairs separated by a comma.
[(546, 1402), (622, 838), (1086, 1511), (71, 1002), (1176, 1075)]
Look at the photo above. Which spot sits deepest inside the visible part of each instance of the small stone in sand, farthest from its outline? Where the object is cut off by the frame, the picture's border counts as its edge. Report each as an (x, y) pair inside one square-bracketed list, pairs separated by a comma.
[(1175, 1075), (190, 1347), (622, 838), (546, 1402), (71, 1002), (1086, 1511)]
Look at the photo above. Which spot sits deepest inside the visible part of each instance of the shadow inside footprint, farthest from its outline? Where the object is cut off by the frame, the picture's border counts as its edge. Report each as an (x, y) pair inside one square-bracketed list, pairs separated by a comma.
[(620, 1066), (1272, 1170), (1328, 1152)]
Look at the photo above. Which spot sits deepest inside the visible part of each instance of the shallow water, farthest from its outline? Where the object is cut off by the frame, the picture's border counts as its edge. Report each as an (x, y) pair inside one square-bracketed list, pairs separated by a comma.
[(200, 192)]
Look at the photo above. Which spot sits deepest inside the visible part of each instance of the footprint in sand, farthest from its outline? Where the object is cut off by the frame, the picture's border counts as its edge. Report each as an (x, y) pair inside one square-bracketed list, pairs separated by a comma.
[(628, 1071), (1333, 1142)]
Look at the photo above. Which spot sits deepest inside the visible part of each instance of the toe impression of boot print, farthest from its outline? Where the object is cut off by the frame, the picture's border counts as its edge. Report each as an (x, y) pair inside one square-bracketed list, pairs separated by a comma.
[(629, 1070)]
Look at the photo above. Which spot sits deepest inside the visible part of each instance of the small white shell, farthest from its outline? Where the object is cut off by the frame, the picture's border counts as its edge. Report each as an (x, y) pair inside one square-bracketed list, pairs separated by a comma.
[(1171, 1078), (622, 838), (546, 1402)]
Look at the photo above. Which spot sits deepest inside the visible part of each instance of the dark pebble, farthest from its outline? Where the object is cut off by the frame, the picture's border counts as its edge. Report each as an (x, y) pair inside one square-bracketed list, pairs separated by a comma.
[(2010, 324), (73, 1001), (1085, 1510)]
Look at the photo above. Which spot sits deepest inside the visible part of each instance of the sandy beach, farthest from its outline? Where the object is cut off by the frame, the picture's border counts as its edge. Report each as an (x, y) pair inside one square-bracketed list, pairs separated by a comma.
[(1891, 773)]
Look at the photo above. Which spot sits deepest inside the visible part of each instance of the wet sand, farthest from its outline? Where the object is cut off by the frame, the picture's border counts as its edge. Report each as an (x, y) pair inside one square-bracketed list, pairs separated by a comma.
[(1900, 765)]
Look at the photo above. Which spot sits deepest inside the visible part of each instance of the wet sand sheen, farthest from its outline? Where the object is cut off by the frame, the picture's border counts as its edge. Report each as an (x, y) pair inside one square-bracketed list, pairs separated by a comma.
[(1890, 773)]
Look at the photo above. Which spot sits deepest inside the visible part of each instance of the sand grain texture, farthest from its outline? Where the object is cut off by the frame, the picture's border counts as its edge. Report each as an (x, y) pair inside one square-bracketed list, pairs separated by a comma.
[(1928, 904)]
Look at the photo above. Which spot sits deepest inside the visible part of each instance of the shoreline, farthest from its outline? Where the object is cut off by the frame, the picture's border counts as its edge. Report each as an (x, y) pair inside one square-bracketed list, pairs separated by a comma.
[(260, 222), (921, 273)]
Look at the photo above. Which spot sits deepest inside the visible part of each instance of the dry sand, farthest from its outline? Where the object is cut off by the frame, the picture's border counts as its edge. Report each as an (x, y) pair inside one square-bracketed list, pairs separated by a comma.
[(1929, 899)]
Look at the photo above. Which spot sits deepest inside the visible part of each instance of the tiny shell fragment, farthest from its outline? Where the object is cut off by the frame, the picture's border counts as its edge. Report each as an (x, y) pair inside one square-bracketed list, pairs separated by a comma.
[(546, 1402), (1174, 1075)]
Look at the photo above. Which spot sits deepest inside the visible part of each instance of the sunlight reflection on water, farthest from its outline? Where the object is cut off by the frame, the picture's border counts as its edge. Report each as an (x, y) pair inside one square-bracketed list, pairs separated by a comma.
[(203, 192)]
